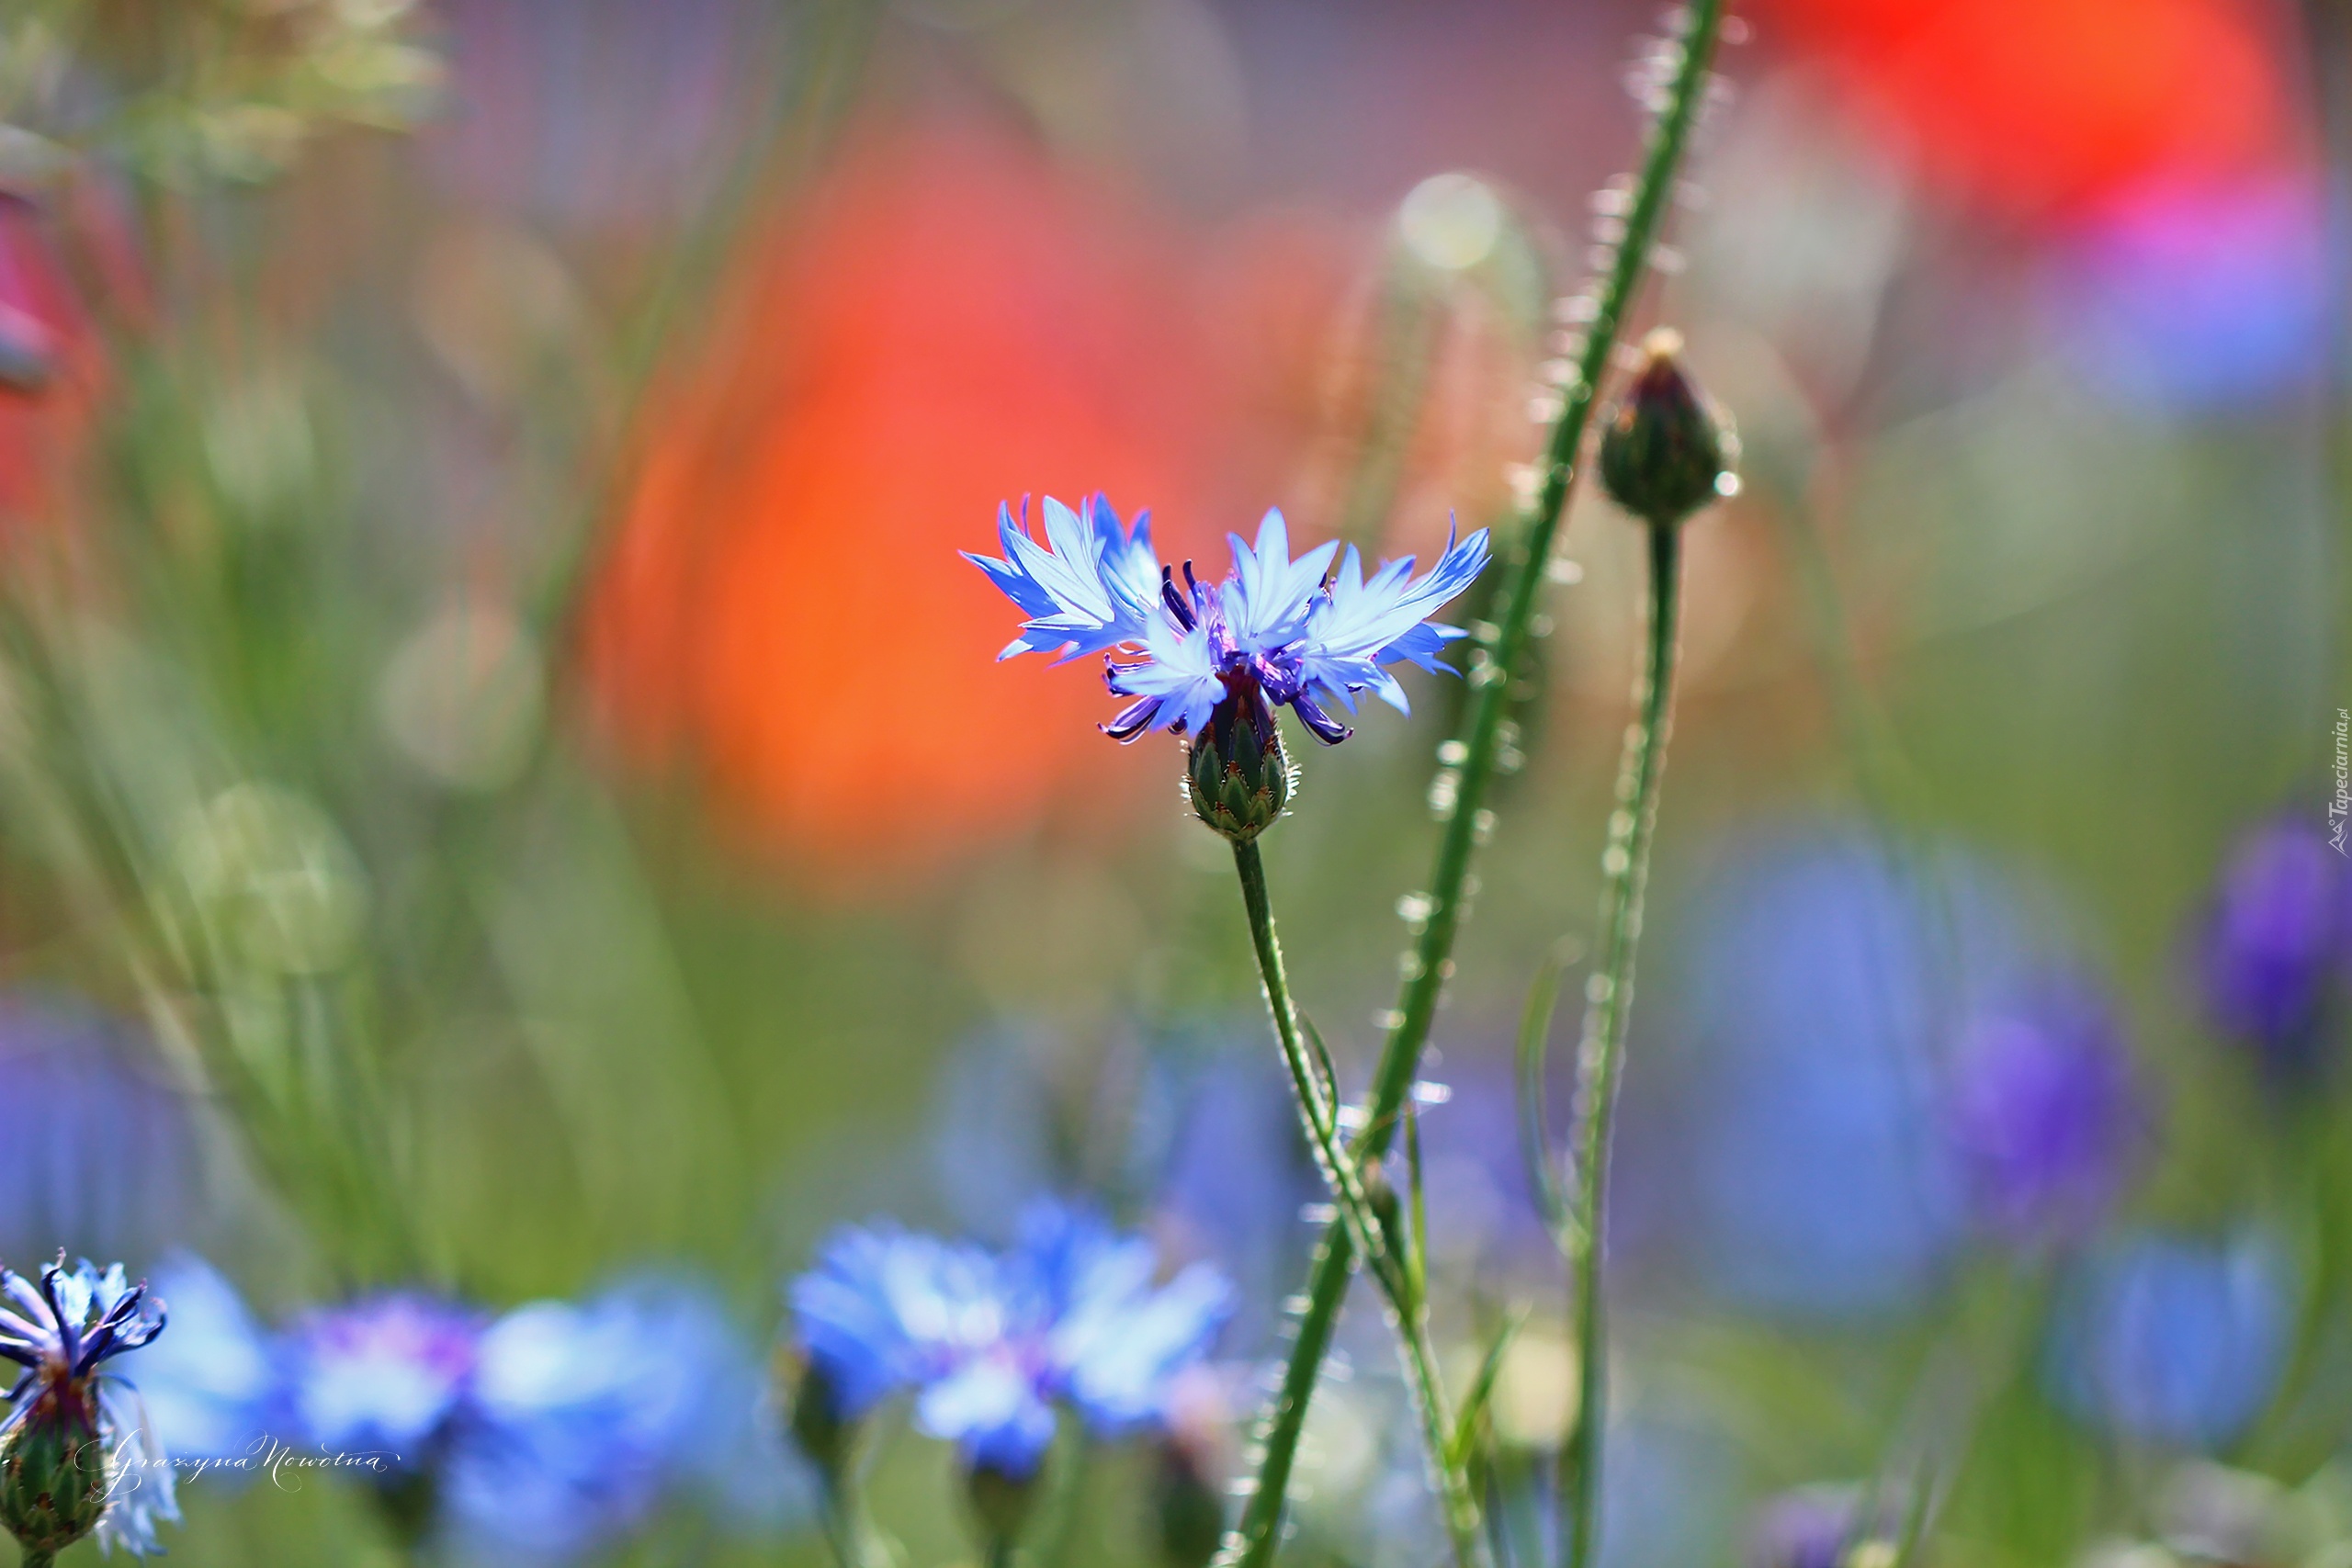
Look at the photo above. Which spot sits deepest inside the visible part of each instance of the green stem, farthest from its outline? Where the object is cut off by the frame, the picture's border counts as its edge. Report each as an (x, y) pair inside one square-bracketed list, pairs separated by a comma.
[(850, 1535), (1318, 1109), (1343, 1177), (1253, 1544), (1601, 1058)]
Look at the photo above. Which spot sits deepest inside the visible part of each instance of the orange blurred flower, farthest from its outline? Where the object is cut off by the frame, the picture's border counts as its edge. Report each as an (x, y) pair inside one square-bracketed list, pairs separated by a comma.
[(2044, 108), (947, 323)]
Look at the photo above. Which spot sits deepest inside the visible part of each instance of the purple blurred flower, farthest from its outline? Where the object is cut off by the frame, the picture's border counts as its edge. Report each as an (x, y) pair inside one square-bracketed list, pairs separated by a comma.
[(1808, 1528), (2201, 296), (1274, 633), (2274, 940), (2043, 1111)]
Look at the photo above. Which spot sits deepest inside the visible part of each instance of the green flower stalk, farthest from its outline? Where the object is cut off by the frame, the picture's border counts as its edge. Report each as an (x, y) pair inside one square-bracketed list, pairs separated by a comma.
[(1426, 968), (1368, 1211), (1665, 454)]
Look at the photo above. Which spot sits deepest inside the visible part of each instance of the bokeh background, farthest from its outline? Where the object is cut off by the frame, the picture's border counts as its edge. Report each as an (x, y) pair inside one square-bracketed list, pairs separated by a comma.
[(484, 481)]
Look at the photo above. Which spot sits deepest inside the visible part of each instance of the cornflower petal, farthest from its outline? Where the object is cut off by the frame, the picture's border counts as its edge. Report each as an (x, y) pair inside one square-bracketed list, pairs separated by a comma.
[(1093, 589), (993, 1411), (1269, 596), (1179, 672)]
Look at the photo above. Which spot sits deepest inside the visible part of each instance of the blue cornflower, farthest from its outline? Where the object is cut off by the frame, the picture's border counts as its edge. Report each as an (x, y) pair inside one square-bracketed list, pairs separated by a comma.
[(1072, 1315), (1215, 660), (75, 1453), (1080, 1320), (1273, 633)]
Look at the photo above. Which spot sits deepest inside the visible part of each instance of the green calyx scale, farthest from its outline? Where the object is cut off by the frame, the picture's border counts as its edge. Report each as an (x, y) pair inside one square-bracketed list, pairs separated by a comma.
[(1239, 778), (53, 1468)]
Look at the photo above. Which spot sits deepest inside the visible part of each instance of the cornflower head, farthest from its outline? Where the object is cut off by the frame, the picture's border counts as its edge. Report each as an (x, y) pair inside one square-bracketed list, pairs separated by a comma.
[(1212, 661), (76, 1455), (1071, 1316)]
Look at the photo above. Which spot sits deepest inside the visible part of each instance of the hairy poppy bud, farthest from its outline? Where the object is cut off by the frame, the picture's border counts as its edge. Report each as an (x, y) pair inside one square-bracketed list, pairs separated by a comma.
[(1666, 451)]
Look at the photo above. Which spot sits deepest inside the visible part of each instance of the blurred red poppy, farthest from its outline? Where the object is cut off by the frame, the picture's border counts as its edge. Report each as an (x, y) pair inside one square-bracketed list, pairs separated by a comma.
[(2043, 109), (948, 322)]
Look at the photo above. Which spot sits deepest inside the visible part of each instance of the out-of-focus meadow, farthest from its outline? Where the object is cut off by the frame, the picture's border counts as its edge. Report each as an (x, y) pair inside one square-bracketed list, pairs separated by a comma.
[(507, 784)]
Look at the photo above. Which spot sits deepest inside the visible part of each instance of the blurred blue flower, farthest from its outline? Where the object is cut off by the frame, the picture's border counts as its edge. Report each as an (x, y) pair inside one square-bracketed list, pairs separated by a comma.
[(881, 1310), (2042, 1110), (2274, 940), (383, 1375), (212, 1385), (2171, 1339), (1113, 1338), (62, 1329), (1229, 1171), (1273, 633), (110, 1162), (1822, 979), (580, 1416), (989, 1344), (541, 1433)]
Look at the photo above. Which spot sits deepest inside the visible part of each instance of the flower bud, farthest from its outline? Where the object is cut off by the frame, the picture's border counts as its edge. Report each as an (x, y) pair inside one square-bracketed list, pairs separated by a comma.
[(1237, 773), (813, 1412), (1000, 1500), (53, 1468), (1666, 451), (1190, 1508)]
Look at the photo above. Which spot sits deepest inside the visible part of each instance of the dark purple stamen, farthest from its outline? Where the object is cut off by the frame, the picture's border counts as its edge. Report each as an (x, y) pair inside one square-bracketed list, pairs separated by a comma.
[(1175, 601)]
